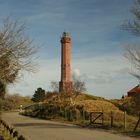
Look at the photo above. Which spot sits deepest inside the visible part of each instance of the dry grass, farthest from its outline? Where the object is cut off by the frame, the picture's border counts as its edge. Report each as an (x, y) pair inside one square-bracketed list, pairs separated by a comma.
[(129, 104), (97, 105), (100, 104), (91, 103)]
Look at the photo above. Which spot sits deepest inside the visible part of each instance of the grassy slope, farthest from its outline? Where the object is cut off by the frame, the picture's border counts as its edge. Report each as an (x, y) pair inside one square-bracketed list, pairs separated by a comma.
[(130, 104), (93, 103)]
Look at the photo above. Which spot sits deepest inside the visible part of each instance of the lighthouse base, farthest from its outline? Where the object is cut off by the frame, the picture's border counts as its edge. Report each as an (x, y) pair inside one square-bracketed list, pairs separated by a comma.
[(65, 86)]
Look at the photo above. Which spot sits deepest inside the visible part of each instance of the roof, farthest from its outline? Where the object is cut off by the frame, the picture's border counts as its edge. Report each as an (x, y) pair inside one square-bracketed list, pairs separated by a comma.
[(65, 34), (134, 90)]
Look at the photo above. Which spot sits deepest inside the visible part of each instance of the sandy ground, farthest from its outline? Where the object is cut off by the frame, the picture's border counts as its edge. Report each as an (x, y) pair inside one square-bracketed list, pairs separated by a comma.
[(37, 129)]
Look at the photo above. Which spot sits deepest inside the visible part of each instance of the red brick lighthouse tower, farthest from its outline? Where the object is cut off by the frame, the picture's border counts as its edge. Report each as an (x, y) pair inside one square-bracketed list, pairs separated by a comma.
[(65, 84)]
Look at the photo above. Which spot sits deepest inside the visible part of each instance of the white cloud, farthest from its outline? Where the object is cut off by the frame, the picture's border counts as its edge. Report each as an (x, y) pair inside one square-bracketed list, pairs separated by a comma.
[(76, 72), (105, 76), (99, 78)]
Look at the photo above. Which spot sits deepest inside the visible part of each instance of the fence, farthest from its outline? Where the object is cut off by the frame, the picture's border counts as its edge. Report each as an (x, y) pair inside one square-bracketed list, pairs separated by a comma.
[(109, 119), (137, 124), (10, 132)]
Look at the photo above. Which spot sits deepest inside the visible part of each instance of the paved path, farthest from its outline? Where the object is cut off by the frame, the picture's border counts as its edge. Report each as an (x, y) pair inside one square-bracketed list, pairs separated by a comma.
[(36, 129)]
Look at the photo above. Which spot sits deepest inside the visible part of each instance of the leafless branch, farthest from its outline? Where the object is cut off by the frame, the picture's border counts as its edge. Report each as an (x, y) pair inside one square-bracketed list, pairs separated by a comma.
[(16, 51)]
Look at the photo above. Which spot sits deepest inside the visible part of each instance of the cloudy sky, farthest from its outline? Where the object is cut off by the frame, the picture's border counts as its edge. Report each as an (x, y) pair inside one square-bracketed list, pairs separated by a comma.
[(97, 42)]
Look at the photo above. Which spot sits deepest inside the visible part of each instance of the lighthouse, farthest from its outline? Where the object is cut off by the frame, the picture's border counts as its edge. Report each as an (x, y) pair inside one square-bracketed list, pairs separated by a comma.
[(65, 85)]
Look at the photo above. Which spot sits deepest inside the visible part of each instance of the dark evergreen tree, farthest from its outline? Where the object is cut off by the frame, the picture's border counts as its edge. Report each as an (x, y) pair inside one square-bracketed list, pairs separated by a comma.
[(39, 95)]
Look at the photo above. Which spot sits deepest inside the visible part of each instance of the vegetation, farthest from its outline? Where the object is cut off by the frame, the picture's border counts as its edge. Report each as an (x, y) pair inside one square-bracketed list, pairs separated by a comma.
[(129, 104), (2, 90), (13, 102), (16, 53), (78, 85), (62, 109), (7, 132), (39, 95), (54, 86), (132, 53), (134, 26)]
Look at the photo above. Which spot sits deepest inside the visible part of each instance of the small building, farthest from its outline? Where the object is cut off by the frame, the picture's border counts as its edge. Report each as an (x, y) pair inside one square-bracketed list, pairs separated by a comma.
[(133, 91)]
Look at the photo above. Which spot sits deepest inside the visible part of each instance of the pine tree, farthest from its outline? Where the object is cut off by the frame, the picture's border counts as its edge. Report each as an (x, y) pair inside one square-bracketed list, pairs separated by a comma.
[(39, 95)]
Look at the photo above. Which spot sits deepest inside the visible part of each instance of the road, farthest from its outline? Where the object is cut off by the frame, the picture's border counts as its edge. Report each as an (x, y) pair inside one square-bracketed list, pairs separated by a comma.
[(37, 129)]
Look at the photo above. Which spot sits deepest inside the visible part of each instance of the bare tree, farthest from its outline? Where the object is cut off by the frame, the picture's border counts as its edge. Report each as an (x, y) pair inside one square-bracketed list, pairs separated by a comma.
[(134, 26), (54, 86), (133, 53), (39, 95), (77, 84), (16, 51)]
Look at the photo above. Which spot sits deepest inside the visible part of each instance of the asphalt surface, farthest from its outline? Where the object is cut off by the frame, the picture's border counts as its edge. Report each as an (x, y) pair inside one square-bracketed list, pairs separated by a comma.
[(37, 129)]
